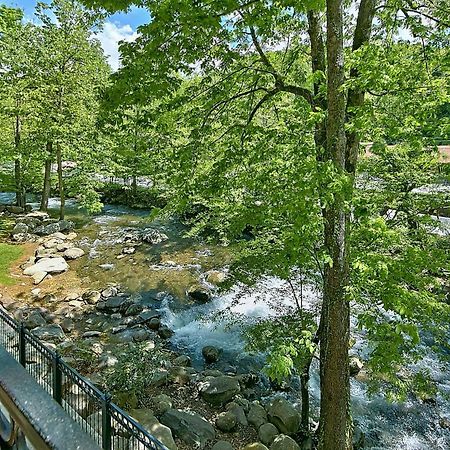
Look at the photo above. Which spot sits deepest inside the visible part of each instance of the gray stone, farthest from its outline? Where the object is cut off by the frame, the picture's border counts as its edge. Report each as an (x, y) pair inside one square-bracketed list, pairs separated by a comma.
[(128, 250), (219, 390), (38, 277), (111, 291), (210, 353), (283, 442), (255, 446), (154, 323), (199, 293), (49, 265), (226, 422), (183, 361), (107, 360), (51, 332), (161, 432), (91, 334), (67, 325), (222, 445), (51, 243), (66, 225), (356, 366), (117, 303), (162, 403), (34, 320), (91, 297), (73, 253), (15, 209), (20, 228), (239, 413), (283, 415), (189, 427), (153, 236), (43, 252), (63, 246), (141, 335), (165, 332), (267, 433), (257, 415), (45, 230), (134, 309), (40, 215), (180, 375)]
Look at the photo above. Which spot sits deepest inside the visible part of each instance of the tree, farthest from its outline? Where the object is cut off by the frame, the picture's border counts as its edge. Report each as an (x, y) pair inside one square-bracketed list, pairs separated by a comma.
[(231, 46)]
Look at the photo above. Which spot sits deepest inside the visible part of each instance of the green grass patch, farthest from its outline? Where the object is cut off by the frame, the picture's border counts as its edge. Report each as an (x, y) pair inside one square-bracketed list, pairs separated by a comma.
[(8, 254)]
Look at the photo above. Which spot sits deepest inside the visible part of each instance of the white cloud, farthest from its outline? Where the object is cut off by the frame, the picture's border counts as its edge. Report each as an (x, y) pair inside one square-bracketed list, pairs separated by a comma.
[(110, 37)]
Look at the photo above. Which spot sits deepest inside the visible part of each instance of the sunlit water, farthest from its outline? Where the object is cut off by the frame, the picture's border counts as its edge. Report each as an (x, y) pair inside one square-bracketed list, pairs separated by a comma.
[(159, 276)]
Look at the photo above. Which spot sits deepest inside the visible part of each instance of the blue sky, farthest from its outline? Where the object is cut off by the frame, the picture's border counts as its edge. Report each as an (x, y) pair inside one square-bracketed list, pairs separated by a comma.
[(119, 26)]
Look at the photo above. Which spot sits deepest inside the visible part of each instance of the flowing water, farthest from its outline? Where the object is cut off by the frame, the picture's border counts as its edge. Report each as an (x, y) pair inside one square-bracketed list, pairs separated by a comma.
[(159, 276)]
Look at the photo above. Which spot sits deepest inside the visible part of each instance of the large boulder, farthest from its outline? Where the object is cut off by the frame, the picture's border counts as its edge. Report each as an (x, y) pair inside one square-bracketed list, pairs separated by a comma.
[(20, 228), (219, 390), (45, 230), (49, 265), (283, 442), (257, 415), (267, 433), (199, 293), (161, 432), (50, 333), (210, 353), (190, 427), (283, 415)]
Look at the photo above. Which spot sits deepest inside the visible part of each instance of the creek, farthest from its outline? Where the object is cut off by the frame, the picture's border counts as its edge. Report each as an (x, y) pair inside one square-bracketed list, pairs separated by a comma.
[(159, 276)]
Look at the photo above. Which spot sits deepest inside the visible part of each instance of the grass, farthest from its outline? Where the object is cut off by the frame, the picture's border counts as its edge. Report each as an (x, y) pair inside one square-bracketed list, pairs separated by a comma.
[(8, 254)]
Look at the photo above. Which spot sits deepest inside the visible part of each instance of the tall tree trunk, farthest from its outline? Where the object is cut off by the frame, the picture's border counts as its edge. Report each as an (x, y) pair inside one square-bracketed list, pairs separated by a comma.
[(335, 421), (47, 178), (60, 181), (18, 176)]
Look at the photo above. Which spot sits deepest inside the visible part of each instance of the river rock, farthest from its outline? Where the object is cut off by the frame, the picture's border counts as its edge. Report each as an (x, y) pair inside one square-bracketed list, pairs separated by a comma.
[(110, 291), (162, 404), (34, 320), (154, 323), (210, 353), (63, 246), (15, 209), (67, 325), (40, 215), (51, 243), (91, 334), (222, 445), (38, 277), (66, 225), (190, 427), (153, 236), (117, 304), (49, 265), (20, 228), (91, 297), (238, 412), (283, 415), (43, 252), (226, 422), (257, 415), (356, 366), (182, 361), (73, 253), (161, 432), (255, 446), (165, 332), (134, 310), (219, 390), (141, 335), (51, 332), (199, 293), (45, 230), (267, 433), (283, 442)]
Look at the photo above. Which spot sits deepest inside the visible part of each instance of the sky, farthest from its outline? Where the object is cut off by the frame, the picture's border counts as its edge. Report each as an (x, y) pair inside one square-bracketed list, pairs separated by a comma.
[(118, 27)]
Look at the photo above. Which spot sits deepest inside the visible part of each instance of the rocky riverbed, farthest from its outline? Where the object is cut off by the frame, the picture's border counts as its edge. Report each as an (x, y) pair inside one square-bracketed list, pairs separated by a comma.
[(139, 295)]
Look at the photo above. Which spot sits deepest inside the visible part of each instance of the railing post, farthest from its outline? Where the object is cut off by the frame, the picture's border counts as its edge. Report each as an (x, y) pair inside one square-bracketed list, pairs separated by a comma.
[(106, 422), (57, 378), (22, 346)]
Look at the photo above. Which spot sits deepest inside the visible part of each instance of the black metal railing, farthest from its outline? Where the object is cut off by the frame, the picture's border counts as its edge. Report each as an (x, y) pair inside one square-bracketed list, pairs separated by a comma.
[(109, 426)]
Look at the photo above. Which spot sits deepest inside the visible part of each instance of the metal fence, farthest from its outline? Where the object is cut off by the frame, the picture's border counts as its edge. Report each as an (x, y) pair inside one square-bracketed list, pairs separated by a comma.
[(105, 422)]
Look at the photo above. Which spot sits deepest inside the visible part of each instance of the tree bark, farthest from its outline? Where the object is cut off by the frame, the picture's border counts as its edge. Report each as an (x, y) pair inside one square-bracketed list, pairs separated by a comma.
[(18, 175), (335, 420), (47, 178), (60, 181)]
